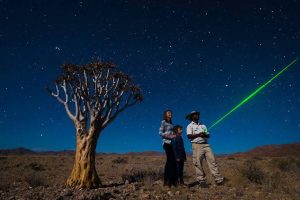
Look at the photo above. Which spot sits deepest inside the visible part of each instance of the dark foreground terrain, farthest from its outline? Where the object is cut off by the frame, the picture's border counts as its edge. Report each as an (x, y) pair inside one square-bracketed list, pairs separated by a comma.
[(139, 176)]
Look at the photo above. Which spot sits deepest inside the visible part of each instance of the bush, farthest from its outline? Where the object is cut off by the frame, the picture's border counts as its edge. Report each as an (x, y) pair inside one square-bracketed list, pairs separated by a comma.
[(230, 158), (4, 186), (119, 160), (274, 182), (286, 164), (3, 158), (36, 167), (142, 175), (252, 172), (298, 165), (283, 165), (35, 180)]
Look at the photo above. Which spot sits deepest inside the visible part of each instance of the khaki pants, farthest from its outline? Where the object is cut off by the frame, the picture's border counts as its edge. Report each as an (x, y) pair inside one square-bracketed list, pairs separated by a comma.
[(200, 152)]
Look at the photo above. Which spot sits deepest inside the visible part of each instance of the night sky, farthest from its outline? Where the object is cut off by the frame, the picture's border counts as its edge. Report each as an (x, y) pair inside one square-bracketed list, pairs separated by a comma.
[(185, 55)]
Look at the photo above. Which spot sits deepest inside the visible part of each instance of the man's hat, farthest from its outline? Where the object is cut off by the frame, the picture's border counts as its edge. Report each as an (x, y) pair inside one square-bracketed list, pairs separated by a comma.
[(189, 116)]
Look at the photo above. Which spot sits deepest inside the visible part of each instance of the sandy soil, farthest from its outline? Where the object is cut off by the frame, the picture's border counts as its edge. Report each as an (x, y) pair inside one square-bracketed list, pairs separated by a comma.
[(140, 177)]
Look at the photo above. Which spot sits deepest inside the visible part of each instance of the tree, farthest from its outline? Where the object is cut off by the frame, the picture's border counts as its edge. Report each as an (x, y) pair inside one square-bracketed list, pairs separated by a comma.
[(93, 95)]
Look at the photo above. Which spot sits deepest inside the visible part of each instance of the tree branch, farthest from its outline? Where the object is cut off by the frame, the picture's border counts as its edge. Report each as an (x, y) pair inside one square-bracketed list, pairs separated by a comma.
[(99, 92)]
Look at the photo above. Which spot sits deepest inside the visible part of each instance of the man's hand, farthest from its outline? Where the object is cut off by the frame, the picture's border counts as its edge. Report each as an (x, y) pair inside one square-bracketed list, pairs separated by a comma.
[(193, 136), (177, 160), (202, 134)]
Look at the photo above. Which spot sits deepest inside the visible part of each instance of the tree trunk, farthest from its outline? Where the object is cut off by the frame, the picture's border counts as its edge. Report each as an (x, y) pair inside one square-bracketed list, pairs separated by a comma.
[(84, 174)]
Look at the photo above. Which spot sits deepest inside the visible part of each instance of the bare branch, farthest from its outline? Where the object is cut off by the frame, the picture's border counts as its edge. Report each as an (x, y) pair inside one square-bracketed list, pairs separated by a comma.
[(111, 92)]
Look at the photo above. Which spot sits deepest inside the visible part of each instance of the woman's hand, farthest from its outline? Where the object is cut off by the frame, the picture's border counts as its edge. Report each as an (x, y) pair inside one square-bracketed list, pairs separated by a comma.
[(173, 136), (169, 136)]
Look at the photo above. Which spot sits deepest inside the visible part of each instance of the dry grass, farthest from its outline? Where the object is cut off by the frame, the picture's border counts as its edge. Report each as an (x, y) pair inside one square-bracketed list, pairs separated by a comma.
[(256, 178), (139, 175), (35, 180), (253, 172)]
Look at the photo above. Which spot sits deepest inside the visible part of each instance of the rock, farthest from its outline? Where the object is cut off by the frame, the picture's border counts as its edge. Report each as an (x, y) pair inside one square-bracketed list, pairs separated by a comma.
[(257, 193), (131, 187), (177, 193), (126, 182), (159, 182), (157, 197), (107, 195), (81, 197), (68, 193), (145, 196), (170, 193), (126, 193), (110, 182), (116, 191)]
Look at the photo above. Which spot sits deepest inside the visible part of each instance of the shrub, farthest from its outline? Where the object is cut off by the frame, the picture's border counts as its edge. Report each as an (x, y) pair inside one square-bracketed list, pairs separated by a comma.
[(230, 158), (283, 165), (36, 167), (274, 182), (252, 172), (119, 160), (35, 180), (4, 186), (286, 164), (257, 158), (298, 165), (142, 175)]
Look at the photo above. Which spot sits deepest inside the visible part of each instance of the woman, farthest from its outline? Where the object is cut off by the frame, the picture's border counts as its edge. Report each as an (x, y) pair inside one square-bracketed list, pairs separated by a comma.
[(166, 132)]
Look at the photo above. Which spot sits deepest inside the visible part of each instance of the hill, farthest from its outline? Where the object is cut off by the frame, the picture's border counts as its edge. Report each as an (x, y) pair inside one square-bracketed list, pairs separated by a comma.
[(272, 151), (16, 151), (267, 150)]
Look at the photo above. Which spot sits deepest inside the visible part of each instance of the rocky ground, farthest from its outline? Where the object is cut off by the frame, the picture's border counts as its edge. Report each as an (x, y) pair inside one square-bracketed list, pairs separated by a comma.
[(140, 177)]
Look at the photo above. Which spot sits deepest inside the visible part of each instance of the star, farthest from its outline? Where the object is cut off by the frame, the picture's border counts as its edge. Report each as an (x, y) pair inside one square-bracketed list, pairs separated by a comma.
[(57, 48)]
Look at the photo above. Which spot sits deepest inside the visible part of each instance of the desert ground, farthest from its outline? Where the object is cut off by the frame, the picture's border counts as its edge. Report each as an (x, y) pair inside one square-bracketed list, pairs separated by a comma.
[(140, 176)]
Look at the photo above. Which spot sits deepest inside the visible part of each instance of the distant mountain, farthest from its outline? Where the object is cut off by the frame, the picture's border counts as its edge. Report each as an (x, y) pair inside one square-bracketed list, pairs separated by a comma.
[(16, 151), (146, 153), (267, 150), (273, 151), (25, 151)]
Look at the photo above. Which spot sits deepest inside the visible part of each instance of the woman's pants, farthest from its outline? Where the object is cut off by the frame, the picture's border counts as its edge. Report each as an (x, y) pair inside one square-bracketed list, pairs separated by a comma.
[(170, 175)]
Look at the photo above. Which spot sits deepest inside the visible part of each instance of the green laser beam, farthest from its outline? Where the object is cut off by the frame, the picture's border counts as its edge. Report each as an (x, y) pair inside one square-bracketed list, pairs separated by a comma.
[(253, 94)]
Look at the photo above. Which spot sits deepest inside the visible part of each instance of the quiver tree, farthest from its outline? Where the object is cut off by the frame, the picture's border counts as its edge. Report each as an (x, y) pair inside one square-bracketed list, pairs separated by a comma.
[(93, 95)]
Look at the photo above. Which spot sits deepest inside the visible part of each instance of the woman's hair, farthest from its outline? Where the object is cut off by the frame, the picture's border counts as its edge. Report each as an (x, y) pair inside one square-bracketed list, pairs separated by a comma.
[(175, 129), (165, 116)]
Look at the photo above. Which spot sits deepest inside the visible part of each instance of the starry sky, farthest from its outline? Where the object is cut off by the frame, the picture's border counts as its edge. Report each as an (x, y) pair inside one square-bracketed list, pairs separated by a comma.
[(185, 55)]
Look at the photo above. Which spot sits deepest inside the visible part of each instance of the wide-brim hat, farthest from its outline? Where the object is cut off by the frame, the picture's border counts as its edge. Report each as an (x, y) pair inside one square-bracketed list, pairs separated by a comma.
[(189, 116)]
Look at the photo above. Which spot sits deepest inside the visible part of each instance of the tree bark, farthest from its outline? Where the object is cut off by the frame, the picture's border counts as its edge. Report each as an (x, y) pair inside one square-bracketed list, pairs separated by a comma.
[(84, 174)]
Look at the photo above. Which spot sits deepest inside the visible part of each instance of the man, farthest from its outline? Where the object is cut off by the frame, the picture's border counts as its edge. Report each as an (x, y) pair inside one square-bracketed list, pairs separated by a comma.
[(198, 135)]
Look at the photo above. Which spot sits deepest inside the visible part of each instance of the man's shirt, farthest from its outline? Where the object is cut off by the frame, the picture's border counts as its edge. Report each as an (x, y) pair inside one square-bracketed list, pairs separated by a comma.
[(196, 128)]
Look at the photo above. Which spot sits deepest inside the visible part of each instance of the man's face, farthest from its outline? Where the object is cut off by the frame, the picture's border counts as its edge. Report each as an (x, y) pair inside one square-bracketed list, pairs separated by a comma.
[(195, 117)]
